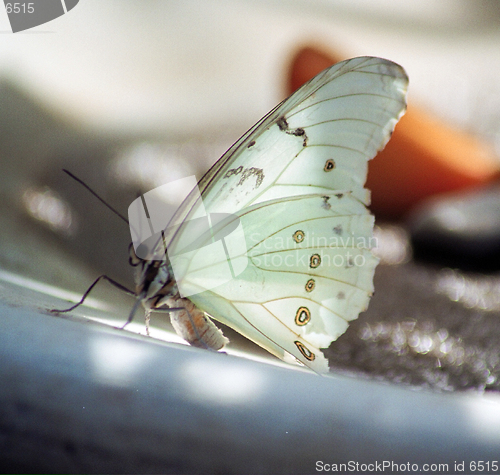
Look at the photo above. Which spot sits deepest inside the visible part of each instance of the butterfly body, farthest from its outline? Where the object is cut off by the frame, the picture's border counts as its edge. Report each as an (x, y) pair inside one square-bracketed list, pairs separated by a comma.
[(157, 290), (295, 184)]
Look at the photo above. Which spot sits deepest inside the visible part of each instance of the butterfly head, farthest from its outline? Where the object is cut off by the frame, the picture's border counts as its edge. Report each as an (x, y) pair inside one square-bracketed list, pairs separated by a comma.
[(154, 280)]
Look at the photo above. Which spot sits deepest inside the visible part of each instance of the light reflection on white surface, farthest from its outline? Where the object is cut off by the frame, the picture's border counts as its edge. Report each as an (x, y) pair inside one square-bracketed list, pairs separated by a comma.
[(222, 384), (484, 416), (51, 290), (117, 362), (115, 316), (138, 326)]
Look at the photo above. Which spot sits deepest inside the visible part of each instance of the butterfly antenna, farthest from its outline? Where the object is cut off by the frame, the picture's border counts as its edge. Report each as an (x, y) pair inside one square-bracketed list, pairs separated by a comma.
[(96, 195)]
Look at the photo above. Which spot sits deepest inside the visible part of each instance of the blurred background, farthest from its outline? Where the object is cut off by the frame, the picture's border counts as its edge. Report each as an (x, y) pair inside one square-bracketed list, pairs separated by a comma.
[(129, 95)]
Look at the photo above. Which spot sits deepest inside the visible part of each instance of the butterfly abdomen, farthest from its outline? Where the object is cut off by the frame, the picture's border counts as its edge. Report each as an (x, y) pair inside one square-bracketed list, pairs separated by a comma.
[(195, 327), (158, 290)]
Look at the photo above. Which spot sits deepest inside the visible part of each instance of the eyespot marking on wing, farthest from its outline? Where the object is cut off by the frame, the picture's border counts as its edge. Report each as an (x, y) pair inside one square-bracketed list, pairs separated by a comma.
[(315, 261), (329, 165), (298, 236), (310, 284), (306, 352), (303, 316)]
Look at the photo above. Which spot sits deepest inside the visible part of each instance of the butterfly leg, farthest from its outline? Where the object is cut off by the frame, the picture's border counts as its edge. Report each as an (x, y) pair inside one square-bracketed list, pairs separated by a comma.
[(87, 292), (146, 321)]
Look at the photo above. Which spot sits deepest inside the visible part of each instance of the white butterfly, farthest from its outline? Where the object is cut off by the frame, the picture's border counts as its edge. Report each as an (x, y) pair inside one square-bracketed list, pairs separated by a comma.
[(295, 183)]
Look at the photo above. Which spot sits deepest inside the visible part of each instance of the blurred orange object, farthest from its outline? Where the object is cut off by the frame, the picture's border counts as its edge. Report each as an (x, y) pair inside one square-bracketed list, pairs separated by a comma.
[(424, 156)]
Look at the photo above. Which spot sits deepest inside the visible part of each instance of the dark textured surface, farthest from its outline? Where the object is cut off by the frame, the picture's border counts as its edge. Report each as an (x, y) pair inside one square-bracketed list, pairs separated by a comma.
[(414, 331)]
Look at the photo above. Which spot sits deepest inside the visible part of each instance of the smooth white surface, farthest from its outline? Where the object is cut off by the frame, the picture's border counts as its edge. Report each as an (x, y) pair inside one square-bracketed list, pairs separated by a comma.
[(78, 397)]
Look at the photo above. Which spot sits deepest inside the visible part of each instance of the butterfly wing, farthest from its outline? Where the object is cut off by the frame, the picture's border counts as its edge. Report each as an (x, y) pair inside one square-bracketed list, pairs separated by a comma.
[(295, 181)]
